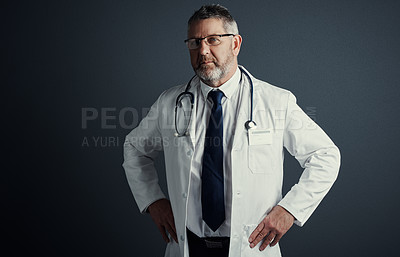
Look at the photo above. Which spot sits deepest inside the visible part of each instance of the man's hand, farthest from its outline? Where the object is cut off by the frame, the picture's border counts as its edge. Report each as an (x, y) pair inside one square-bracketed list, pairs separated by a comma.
[(161, 213), (272, 228)]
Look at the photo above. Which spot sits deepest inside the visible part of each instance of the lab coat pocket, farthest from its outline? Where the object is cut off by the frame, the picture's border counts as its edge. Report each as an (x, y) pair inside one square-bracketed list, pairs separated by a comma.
[(172, 249), (246, 251), (259, 158)]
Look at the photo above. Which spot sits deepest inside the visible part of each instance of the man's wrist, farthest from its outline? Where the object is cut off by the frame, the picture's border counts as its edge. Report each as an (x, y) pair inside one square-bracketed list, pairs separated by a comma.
[(288, 212)]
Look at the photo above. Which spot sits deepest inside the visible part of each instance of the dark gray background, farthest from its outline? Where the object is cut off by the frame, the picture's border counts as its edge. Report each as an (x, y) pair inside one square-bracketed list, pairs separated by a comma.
[(340, 58)]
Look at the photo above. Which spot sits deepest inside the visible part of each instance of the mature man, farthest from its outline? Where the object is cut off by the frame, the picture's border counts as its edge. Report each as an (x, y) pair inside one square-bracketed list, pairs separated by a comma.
[(223, 136)]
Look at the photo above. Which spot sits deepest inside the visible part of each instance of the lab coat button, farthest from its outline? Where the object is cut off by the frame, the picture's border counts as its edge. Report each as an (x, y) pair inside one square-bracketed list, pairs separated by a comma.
[(238, 192), (189, 153), (182, 238), (184, 195)]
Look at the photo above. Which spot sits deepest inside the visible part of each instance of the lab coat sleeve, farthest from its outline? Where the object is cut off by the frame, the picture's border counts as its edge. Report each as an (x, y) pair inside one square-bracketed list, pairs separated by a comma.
[(317, 154), (141, 146)]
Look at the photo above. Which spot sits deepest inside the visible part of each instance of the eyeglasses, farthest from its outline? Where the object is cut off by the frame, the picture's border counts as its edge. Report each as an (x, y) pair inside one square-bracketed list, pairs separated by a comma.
[(211, 40)]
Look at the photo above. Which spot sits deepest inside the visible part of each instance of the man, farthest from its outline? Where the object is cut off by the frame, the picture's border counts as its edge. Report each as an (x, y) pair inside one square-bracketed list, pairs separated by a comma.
[(224, 156)]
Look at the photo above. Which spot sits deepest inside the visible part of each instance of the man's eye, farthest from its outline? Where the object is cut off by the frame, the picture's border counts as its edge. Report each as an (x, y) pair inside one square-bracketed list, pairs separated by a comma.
[(212, 39), (194, 42)]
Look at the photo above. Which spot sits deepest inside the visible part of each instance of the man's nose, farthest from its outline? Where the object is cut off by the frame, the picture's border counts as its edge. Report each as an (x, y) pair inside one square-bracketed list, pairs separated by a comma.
[(204, 49)]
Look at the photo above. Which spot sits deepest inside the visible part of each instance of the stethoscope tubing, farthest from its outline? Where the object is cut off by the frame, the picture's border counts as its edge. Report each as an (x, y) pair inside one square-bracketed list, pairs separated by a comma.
[(249, 124)]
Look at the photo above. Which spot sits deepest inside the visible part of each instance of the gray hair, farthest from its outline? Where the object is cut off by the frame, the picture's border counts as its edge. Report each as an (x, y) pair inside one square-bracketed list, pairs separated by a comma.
[(218, 12)]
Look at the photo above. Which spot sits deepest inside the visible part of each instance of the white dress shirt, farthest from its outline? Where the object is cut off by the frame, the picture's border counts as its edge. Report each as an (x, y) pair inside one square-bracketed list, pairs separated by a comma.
[(229, 102)]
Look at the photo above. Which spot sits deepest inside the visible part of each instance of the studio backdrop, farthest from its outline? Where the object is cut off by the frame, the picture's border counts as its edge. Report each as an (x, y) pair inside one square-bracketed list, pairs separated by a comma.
[(80, 75)]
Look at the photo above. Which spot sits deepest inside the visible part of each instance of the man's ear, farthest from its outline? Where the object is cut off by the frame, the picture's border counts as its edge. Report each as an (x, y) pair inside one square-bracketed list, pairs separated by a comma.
[(237, 42)]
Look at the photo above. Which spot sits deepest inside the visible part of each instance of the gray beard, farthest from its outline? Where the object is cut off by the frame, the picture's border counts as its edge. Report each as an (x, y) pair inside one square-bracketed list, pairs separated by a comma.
[(215, 75)]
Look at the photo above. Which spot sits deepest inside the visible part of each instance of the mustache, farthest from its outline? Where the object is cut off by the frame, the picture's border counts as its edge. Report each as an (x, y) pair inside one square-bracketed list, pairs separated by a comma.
[(205, 59)]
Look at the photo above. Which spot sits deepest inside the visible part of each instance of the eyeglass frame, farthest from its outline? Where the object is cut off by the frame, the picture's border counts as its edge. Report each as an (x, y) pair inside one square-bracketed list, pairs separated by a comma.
[(201, 39)]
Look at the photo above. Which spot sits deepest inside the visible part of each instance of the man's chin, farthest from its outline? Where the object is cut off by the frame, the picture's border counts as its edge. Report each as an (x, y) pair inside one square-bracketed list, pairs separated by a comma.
[(205, 74)]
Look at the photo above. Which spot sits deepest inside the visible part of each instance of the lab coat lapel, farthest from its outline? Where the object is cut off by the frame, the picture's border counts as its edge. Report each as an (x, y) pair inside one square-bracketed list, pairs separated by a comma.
[(244, 109), (191, 138), (242, 114), (192, 124)]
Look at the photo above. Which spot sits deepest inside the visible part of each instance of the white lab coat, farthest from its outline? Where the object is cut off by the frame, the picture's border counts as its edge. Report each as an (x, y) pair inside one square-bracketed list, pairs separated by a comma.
[(257, 170)]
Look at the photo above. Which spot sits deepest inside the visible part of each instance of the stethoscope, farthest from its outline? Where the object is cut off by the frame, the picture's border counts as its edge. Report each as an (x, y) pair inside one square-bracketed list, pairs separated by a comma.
[(248, 124)]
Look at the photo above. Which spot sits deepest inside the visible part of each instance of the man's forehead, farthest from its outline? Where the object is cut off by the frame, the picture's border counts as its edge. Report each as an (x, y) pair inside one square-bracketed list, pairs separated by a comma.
[(206, 27)]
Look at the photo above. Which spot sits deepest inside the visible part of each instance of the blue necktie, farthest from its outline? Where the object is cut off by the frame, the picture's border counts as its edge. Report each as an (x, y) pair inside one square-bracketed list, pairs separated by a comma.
[(212, 178)]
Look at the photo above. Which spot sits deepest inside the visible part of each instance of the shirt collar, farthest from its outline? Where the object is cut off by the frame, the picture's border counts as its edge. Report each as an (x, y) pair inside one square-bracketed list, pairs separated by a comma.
[(228, 88)]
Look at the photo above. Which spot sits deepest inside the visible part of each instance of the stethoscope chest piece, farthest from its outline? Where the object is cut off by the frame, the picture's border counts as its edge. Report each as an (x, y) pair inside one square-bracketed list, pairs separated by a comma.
[(250, 124)]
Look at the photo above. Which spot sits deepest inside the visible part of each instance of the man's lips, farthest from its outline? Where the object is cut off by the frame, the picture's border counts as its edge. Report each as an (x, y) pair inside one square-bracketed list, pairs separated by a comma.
[(206, 62)]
